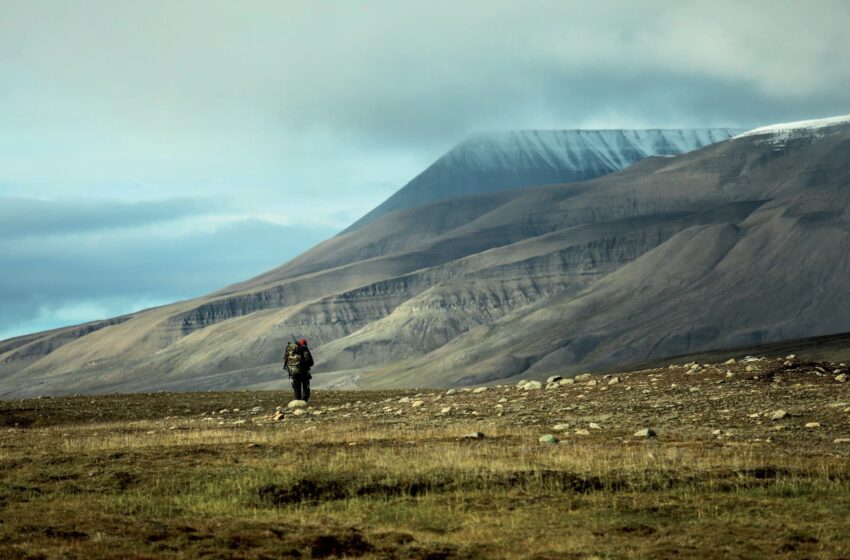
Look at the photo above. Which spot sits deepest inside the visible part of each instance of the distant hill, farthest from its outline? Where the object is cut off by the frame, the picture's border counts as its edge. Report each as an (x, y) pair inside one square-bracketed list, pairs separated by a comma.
[(496, 161), (741, 243)]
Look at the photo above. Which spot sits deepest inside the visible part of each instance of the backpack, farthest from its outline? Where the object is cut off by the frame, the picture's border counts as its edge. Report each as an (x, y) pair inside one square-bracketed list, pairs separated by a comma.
[(292, 359)]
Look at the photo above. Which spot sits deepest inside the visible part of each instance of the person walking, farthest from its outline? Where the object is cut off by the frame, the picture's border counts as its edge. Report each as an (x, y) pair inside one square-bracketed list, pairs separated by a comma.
[(297, 361)]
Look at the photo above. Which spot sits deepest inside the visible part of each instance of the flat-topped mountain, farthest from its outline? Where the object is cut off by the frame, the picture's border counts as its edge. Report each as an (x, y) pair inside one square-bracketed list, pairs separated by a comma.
[(743, 242), (495, 161)]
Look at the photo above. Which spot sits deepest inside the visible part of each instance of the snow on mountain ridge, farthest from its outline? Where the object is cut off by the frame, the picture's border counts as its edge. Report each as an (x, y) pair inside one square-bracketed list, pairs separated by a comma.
[(789, 129), (615, 148)]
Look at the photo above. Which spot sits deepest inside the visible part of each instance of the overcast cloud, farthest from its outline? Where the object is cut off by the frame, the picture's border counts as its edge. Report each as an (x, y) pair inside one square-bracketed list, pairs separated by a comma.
[(218, 125)]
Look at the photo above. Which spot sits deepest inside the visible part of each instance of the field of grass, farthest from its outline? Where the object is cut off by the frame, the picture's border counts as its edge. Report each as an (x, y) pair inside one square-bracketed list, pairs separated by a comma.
[(375, 475)]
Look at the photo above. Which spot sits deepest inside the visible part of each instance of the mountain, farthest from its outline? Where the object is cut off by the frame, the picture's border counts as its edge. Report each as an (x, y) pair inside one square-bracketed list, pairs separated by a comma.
[(497, 161), (740, 243)]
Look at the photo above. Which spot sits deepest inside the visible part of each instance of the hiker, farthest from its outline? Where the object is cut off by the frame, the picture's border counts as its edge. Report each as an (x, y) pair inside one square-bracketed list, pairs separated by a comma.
[(297, 360)]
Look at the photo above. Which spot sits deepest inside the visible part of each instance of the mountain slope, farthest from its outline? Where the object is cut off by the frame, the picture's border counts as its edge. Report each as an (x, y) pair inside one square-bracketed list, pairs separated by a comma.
[(708, 249), (495, 161)]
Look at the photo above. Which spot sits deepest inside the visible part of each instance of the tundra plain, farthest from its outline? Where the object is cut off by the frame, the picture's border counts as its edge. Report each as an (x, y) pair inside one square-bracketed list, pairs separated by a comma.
[(748, 460)]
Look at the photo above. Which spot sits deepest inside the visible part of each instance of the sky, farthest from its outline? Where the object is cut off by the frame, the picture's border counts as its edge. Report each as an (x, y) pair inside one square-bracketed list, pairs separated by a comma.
[(156, 151)]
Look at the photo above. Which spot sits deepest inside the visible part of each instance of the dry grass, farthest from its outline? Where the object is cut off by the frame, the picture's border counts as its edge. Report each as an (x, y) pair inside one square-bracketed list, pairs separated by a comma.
[(172, 484)]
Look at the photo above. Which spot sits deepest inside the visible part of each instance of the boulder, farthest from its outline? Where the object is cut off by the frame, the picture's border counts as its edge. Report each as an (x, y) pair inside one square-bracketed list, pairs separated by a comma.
[(553, 379), (297, 404), (532, 386), (548, 438), (645, 433)]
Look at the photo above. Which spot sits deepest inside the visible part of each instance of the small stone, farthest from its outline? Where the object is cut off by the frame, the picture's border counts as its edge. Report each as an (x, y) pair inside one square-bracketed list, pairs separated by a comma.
[(753, 415), (582, 377), (717, 433), (299, 412), (790, 357), (592, 383), (582, 432), (238, 422), (532, 386), (778, 415), (445, 410), (841, 378), (613, 381), (256, 409), (404, 400), (521, 383), (694, 389), (564, 382), (473, 435), (417, 404), (553, 379), (503, 400), (480, 390), (451, 392), (296, 404), (223, 411), (594, 426), (752, 368), (548, 438), (841, 440), (812, 425), (730, 362), (561, 427), (730, 374), (645, 433), (550, 386)]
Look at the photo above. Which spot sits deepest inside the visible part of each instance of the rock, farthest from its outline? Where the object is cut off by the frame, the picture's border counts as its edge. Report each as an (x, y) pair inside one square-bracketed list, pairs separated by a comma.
[(790, 357), (224, 411), (582, 377), (532, 386), (753, 415), (553, 379), (694, 389), (480, 390), (550, 386), (730, 374), (594, 426), (417, 404), (404, 400), (752, 368), (592, 383), (564, 382), (561, 427), (812, 425), (445, 410), (548, 438), (278, 415), (238, 422), (778, 415), (841, 378), (503, 400), (645, 433), (730, 362), (473, 435), (841, 440), (521, 383), (451, 392), (256, 409), (299, 412), (613, 381), (296, 404), (582, 432)]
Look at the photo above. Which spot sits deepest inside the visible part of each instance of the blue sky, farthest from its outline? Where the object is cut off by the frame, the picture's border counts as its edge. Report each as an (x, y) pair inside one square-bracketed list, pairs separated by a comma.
[(154, 151)]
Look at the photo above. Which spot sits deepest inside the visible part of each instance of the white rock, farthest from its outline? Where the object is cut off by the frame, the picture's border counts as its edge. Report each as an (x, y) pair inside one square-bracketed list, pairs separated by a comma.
[(594, 426), (841, 378), (552, 386), (561, 427), (521, 383), (548, 438), (592, 383), (553, 379), (473, 435), (564, 382), (445, 410), (532, 386), (299, 412), (451, 392), (645, 433), (729, 362), (256, 409), (613, 381), (778, 415), (417, 404), (582, 377), (404, 400), (503, 400), (480, 390), (791, 357), (841, 440), (812, 425), (296, 404), (582, 432)]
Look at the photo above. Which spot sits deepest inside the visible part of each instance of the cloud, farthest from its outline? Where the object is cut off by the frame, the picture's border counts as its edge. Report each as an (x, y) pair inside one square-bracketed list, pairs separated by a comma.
[(22, 217), (58, 280)]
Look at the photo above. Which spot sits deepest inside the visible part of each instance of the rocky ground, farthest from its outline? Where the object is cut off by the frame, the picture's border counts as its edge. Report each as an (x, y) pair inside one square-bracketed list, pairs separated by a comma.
[(735, 459)]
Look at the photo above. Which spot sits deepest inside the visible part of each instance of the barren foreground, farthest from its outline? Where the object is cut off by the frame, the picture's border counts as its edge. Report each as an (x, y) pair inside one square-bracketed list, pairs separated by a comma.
[(749, 460)]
